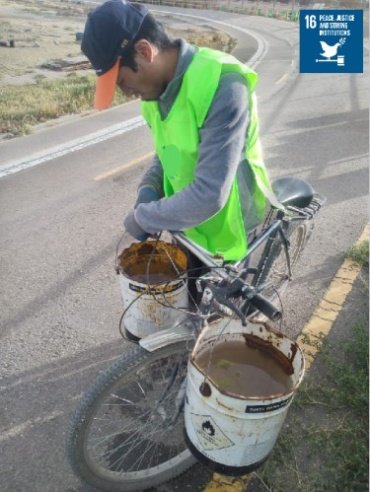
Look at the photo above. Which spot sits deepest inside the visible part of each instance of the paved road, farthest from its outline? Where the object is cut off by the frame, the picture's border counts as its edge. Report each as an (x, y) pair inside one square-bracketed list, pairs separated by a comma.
[(59, 228)]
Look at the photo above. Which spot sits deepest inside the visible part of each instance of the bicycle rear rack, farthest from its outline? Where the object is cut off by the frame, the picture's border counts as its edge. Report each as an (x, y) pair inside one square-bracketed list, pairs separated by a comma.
[(307, 213)]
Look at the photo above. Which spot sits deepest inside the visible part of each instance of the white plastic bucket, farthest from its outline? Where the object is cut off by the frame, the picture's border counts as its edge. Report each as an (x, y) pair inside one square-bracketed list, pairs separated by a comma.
[(152, 277), (233, 433)]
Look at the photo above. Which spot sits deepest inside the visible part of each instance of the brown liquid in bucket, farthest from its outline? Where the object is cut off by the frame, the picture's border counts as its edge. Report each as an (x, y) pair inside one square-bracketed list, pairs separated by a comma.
[(241, 370), (152, 262)]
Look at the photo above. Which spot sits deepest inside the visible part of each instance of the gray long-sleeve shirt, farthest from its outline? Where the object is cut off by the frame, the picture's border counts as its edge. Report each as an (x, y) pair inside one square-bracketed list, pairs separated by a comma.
[(221, 151)]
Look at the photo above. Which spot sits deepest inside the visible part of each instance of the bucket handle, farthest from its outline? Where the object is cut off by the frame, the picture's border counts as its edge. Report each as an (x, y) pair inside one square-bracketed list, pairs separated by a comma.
[(116, 262), (156, 237)]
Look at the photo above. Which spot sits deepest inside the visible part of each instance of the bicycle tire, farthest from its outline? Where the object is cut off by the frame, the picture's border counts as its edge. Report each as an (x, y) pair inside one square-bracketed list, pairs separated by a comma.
[(132, 442), (273, 267)]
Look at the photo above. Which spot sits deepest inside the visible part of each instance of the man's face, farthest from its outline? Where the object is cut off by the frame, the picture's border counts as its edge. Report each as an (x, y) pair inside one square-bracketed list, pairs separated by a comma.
[(145, 82)]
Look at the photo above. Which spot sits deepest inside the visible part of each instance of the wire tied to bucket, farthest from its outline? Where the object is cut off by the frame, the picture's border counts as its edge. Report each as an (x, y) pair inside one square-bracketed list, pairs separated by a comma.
[(116, 258), (151, 271), (205, 388), (206, 372)]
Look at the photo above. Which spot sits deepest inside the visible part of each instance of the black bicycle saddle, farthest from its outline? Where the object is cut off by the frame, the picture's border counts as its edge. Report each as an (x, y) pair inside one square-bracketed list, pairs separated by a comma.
[(293, 191)]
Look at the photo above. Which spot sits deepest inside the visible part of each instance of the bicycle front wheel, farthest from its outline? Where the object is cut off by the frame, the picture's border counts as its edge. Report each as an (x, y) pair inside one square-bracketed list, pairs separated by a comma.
[(127, 433)]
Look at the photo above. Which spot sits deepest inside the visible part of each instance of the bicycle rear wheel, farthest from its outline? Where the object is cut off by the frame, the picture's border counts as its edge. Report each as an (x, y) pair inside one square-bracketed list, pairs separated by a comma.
[(127, 433)]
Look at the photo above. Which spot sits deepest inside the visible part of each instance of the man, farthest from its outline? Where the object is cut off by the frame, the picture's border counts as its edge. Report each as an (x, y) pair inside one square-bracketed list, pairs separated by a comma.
[(207, 178)]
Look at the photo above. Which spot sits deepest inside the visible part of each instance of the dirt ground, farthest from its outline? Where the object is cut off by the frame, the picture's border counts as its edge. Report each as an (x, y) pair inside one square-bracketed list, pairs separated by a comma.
[(43, 31)]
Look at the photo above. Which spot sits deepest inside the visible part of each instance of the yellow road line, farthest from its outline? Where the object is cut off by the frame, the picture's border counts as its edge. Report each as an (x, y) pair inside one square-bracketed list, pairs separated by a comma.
[(310, 340), (324, 316), (118, 169)]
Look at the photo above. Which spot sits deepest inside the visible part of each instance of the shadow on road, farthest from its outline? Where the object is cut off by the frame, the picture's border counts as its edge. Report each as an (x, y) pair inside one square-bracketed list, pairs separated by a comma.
[(33, 430)]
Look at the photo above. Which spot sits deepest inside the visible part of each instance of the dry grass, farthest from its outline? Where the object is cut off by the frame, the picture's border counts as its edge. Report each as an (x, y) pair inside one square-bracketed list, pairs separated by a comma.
[(324, 445), (47, 31)]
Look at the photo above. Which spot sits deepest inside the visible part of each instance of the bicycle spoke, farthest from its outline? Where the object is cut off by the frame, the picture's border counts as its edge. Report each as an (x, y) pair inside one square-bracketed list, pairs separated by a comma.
[(119, 446), (101, 440), (135, 435), (125, 429), (123, 399), (141, 388), (140, 457), (137, 442)]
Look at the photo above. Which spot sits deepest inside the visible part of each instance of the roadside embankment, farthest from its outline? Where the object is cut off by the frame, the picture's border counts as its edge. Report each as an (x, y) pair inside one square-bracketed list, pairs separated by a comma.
[(324, 442)]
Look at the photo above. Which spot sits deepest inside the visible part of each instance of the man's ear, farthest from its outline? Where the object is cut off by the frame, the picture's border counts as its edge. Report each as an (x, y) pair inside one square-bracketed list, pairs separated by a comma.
[(145, 49)]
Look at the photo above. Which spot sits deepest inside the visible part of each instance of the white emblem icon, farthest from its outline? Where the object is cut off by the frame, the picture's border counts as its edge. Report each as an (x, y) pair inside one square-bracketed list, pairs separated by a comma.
[(330, 51)]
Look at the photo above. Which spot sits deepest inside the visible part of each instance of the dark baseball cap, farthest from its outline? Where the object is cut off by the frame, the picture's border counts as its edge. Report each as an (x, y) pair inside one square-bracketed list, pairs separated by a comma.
[(109, 28)]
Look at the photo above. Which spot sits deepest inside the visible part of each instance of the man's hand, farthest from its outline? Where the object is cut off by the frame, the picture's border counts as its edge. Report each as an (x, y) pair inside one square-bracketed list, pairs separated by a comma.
[(133, 228)]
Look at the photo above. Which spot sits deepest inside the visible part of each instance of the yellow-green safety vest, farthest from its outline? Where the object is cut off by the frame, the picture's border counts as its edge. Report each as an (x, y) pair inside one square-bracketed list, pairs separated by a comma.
[(177, 138)]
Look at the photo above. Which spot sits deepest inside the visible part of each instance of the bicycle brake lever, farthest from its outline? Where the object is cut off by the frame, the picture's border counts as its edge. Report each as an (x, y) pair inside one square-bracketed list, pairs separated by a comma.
[(236, 310), (220, 295)]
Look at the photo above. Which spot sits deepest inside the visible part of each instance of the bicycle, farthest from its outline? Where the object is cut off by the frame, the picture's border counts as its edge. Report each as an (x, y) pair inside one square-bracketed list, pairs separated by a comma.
[(126, 433)]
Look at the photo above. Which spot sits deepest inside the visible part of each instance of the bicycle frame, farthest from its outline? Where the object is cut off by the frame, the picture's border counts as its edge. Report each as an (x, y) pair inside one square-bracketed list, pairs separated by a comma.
[(188, 329)]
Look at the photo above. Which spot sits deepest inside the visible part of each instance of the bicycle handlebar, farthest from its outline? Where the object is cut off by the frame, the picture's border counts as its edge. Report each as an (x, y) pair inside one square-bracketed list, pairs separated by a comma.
[(239, 288), (266, 307)]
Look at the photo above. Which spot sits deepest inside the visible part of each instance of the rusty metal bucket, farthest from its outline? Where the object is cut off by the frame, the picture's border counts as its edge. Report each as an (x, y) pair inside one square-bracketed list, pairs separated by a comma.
[(152, 277), (232, 432)]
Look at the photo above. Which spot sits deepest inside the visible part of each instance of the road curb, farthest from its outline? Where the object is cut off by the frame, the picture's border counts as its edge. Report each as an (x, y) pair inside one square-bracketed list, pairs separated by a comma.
[(326, 313)]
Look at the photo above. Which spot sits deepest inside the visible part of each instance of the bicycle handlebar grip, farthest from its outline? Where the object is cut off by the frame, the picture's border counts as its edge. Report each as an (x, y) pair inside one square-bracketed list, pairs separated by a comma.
[(266, 307)]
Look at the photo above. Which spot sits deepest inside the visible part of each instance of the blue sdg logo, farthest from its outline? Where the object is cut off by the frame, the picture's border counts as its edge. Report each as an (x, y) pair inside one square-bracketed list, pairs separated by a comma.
[(331, 41)]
